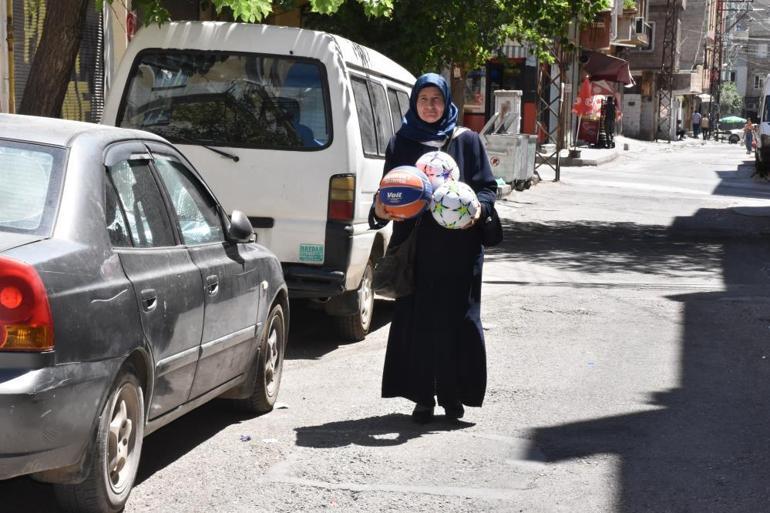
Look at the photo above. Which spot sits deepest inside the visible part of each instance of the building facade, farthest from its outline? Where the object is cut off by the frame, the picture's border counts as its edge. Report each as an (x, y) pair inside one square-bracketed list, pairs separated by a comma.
[(692, 31)]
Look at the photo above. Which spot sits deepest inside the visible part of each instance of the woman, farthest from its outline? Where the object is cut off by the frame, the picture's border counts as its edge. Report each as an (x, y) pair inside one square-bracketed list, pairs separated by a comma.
[(436, 343), (748, 135)]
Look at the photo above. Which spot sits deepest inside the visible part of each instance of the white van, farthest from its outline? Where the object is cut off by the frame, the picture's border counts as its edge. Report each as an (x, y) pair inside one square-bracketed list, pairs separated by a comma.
[(290, 125), (762, 153)]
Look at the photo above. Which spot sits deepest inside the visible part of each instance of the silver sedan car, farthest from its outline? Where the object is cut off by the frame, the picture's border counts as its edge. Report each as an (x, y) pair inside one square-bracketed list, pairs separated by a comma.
[(127, 298)]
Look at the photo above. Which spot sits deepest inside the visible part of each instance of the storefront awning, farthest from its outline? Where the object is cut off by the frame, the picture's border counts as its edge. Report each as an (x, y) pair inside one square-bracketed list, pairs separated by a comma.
[(606, 67)]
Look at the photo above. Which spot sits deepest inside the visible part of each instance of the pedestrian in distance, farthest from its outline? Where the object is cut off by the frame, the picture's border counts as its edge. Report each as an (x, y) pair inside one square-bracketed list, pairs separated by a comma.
[(748, 135), (679, 130), (436, 342), (696, 119), (705, 126)]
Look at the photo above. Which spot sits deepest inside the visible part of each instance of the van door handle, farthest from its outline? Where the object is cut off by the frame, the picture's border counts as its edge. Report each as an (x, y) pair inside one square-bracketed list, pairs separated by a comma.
[(149, 299), (212, 285)]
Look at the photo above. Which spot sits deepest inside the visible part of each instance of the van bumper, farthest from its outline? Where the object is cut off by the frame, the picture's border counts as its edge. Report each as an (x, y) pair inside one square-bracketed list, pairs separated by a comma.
[(313, 282), (328, 280)]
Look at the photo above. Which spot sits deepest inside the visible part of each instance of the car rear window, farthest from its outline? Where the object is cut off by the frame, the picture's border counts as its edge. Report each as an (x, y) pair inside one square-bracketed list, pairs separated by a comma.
[(30, 182), (229, 99)]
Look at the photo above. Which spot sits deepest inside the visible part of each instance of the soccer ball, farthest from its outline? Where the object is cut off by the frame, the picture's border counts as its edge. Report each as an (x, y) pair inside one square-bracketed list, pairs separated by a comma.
[(438, 167), (454, 205)]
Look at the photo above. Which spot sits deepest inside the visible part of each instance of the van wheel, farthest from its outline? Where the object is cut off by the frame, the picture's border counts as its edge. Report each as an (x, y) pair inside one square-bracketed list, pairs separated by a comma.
[(263, 389), (760, 166), (117, 447), (355, 327)]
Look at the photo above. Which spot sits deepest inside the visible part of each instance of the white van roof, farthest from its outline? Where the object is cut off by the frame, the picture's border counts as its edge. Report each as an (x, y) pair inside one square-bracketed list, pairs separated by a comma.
[(269, 39)]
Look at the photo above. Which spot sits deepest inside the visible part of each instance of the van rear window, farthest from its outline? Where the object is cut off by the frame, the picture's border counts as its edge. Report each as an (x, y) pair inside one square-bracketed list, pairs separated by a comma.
[(228, 99), (30, 182)]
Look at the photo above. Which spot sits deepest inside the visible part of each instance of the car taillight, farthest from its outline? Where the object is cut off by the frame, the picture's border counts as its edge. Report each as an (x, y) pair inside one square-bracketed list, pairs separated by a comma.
[(342, 193), (25, 315)]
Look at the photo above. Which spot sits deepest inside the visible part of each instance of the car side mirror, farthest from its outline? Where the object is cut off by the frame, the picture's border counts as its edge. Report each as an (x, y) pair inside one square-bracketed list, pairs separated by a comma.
[(240, 229)]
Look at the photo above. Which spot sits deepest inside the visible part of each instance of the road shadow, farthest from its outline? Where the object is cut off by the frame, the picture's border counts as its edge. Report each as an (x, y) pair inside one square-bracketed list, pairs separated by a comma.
[(741, 182), (172, 442), (379, 431), (313, 333), (595, 247), (703, 446)]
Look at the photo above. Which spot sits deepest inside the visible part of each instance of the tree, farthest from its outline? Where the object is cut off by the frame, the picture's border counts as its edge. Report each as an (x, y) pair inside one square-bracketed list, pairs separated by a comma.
[(63, 29), (421, 34), (730, 101), (54, 58), (428, 35)]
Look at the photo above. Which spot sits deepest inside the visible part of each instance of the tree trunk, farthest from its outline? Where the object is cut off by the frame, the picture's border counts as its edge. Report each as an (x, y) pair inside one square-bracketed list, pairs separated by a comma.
[(54, 58), (457, 87)]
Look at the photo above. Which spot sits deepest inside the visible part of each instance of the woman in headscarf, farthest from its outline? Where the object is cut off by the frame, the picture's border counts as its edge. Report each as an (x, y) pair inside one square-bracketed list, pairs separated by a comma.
[(436, 342)]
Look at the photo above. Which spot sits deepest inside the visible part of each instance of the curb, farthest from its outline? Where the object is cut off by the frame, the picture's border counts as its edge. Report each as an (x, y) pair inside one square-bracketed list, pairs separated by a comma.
[(609, 157)]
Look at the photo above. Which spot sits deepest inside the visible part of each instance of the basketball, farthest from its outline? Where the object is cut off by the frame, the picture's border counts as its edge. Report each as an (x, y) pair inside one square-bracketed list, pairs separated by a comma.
[(438, 167), (405, 192), (454, 205)]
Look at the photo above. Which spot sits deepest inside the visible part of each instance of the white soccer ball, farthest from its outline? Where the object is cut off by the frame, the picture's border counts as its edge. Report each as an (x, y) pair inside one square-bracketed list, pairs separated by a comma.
[(439, 167), (454, 205)]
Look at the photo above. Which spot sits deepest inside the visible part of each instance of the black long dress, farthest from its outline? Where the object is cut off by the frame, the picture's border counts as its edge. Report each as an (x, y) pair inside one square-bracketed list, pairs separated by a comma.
[(436, 342)]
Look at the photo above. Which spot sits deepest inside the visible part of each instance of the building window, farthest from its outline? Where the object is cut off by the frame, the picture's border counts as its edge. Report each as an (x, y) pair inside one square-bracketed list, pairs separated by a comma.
[(649, 29), (759, 81), (762, 50)]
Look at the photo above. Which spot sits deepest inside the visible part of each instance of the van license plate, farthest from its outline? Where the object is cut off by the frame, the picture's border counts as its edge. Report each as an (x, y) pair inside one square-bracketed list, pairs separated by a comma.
[(311, 253)]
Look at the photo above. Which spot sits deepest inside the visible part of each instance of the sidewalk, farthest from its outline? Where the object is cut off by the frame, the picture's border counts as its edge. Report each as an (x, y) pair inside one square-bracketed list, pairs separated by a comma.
[(599, 156)]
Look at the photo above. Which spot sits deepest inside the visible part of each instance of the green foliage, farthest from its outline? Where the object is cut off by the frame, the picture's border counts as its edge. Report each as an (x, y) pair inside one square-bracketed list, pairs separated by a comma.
[(153, 11), (546, 24), (427, 34), (730, 101), (245, 10)]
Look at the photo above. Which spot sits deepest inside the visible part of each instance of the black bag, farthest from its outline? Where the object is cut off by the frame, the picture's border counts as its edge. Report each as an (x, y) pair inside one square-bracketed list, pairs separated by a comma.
[(491, 230), (394, 273)]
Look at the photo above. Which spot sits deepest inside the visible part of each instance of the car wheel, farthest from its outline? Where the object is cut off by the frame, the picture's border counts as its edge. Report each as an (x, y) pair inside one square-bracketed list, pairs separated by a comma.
[(118, 446), (355, 327), (267, 378), (733, 139)]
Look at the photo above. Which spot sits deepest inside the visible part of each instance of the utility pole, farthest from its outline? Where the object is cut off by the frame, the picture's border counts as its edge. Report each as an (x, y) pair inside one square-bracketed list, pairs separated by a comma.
[(667, 68), (715, 74)]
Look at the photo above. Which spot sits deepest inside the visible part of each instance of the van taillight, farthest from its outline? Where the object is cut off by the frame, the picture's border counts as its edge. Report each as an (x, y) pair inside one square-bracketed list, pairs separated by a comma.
[(25, 316), (342, 192)]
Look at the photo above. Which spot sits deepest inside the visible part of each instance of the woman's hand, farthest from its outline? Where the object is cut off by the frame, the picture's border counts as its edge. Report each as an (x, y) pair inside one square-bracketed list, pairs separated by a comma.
[(379, 209), (475, 219)]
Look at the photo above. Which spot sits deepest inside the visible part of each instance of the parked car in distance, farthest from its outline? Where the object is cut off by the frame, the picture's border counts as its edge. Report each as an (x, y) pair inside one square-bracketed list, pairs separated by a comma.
[(127, 298)]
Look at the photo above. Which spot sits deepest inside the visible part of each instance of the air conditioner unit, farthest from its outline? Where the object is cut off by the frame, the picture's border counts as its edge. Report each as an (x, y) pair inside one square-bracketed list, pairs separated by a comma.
[(639, 25)]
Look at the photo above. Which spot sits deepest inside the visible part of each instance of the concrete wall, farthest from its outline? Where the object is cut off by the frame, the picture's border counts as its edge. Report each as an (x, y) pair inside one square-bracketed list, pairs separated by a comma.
[(632, 111), (693, 33)]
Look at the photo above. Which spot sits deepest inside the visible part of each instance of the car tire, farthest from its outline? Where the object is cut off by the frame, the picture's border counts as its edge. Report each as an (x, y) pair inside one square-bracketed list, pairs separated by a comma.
[(269, 365), (355, 327), (733, 139), (118, 447)]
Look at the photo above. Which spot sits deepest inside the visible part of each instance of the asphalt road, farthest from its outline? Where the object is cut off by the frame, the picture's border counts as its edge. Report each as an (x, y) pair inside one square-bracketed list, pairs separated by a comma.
[(627, 318)]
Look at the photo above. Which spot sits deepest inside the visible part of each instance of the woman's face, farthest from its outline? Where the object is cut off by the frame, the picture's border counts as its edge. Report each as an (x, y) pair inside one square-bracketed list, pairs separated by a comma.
[(430, 104)]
